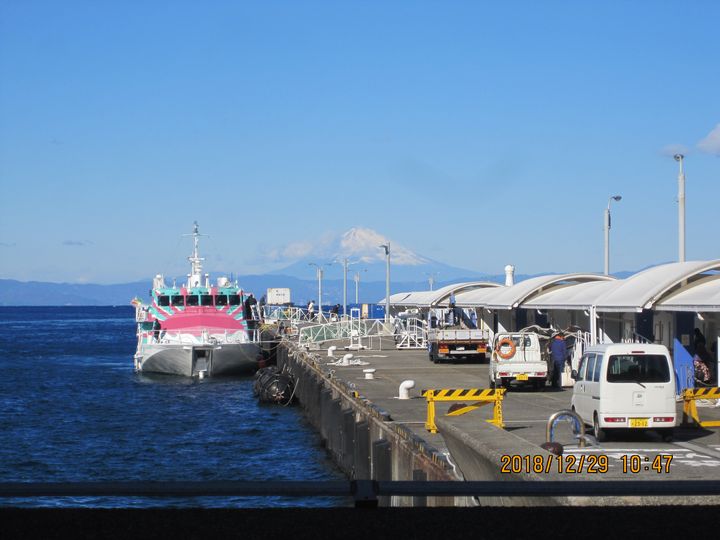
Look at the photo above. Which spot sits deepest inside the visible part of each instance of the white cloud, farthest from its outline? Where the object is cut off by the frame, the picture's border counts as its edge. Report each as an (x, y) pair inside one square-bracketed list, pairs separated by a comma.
[(672, 149), (711, 143)]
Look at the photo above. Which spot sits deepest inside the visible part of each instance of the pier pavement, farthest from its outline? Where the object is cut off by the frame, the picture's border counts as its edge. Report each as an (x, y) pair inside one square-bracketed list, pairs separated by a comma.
[(695, 451)]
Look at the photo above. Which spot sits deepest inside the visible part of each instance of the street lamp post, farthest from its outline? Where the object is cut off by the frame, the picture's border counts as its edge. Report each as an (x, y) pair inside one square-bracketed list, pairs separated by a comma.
[(607, 233), (386, 247), (319, 277), (431, 279), (345, 267), (681, 208), (356, 278)]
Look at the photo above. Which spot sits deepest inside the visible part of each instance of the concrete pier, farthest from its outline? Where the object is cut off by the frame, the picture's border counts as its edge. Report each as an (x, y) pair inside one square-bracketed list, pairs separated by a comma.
[(372, 434), (361, 436)]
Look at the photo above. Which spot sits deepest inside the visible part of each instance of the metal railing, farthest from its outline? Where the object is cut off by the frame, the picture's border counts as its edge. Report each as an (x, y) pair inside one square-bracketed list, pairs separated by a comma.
[(365, 492), (411, 333), (351, 328), (289, 314)]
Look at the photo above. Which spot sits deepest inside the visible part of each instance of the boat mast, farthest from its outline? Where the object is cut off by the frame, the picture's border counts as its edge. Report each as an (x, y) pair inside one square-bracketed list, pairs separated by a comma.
[(195, 275)]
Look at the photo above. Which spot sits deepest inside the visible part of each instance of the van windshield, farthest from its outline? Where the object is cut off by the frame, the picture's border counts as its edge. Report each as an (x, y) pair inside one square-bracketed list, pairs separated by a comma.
[(644, 368)]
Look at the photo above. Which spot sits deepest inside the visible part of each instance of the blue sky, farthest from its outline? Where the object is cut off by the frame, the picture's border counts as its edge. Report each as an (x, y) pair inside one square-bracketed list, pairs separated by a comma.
[(475, 133)]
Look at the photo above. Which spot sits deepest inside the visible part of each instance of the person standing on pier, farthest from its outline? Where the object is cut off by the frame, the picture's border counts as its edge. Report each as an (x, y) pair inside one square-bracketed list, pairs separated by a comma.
[(558, 353), (311, 310)]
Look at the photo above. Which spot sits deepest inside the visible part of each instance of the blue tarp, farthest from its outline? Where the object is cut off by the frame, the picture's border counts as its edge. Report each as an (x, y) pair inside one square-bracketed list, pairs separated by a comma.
[(684, 368)]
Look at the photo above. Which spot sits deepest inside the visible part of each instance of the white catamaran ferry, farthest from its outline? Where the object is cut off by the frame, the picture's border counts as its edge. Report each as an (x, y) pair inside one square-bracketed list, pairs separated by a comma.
[(197, 328)]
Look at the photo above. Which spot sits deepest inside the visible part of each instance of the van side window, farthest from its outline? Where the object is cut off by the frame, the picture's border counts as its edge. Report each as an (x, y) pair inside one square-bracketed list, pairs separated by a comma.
[(590, 367), (598, 365), (581, 368)]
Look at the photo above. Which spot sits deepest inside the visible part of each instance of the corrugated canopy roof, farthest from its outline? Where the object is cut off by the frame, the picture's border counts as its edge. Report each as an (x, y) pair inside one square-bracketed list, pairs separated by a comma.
[(642, 290), (510, 297)]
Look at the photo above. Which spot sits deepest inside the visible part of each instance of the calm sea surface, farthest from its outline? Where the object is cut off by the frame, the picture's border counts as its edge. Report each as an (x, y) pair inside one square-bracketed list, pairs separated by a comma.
[(73, 409)]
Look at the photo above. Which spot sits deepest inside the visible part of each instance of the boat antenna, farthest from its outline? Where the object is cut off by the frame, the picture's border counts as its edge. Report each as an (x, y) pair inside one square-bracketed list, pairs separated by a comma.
[(195, 278)]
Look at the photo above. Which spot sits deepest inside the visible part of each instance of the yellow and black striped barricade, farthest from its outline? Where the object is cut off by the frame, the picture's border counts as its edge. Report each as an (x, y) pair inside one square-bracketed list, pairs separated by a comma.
[(480, 396), (690, 396)]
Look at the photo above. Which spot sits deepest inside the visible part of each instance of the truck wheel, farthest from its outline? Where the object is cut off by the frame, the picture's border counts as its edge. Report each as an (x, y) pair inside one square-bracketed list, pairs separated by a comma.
[(505, 384), (539, 384), (435, 359), (491, 383), (600, 433)]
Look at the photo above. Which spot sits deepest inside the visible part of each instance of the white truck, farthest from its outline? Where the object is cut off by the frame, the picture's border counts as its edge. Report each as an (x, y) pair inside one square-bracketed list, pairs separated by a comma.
[(457, 343), (519, 357)]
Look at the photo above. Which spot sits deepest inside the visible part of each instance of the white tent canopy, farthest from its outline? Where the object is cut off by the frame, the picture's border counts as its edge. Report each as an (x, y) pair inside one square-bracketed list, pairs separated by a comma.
[(686, 286), (578, 296), (642, 290), (701, 295), (433, 298), (513, 296)]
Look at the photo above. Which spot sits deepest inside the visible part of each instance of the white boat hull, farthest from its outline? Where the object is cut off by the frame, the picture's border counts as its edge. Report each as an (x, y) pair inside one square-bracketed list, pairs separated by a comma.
[(190, 360)]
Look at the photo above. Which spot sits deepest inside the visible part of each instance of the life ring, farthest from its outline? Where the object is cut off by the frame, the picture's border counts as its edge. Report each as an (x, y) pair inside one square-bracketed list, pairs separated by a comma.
[(510, 353)]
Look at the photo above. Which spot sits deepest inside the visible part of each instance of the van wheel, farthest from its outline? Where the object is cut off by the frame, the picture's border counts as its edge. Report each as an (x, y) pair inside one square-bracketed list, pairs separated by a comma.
[(600, 433), (667, 434)]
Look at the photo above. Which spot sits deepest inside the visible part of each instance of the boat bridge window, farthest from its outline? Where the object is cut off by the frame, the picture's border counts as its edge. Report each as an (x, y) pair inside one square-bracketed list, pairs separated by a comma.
[(206, 300), (221, 300), (163, 300), (177, 300), (234, 299), (192, 300)]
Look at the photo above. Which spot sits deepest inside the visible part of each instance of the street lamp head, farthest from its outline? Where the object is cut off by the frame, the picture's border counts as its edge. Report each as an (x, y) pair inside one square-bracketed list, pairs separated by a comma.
[(678, 157), (386, 247), (617, 197)]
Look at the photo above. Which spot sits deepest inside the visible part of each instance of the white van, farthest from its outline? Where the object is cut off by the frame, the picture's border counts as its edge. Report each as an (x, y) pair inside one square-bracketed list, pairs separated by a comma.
[(517, 356), (625, 385)]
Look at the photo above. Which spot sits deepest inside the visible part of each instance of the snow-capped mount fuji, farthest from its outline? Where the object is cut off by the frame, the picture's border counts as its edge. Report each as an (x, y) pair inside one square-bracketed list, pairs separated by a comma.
[(361, 246)]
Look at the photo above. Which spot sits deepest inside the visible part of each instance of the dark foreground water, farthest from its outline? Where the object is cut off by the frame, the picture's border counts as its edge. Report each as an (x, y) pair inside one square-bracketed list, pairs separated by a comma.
[(73, 409)]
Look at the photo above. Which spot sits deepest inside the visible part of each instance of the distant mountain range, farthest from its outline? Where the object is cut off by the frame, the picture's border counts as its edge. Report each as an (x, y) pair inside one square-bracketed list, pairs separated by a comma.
[(409, 272), (36, 293)]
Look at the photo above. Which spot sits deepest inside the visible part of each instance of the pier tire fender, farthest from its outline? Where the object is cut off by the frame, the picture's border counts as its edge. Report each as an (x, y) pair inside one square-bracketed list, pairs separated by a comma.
[(510, 353)]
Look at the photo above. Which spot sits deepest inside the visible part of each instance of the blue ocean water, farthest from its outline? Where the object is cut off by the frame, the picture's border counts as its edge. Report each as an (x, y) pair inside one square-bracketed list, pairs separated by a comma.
[(73, 409)]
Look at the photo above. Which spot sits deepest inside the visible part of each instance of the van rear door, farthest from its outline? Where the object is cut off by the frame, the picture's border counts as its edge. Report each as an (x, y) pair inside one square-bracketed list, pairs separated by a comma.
[(638, 385)]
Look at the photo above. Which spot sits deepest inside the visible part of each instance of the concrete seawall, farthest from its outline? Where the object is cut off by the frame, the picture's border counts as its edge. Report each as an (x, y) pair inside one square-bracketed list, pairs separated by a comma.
[(361, 437)]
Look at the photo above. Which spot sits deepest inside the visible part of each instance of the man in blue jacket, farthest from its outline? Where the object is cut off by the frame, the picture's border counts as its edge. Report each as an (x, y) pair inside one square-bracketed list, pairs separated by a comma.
[(558, 353)]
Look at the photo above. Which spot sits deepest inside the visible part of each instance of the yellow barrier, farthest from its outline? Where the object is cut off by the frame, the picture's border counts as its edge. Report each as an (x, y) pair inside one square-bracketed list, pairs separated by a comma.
[(479, 395), (690, 396)]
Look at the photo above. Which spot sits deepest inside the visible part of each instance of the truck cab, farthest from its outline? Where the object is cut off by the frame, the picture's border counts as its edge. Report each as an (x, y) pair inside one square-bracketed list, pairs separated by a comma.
[(517, 357)]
